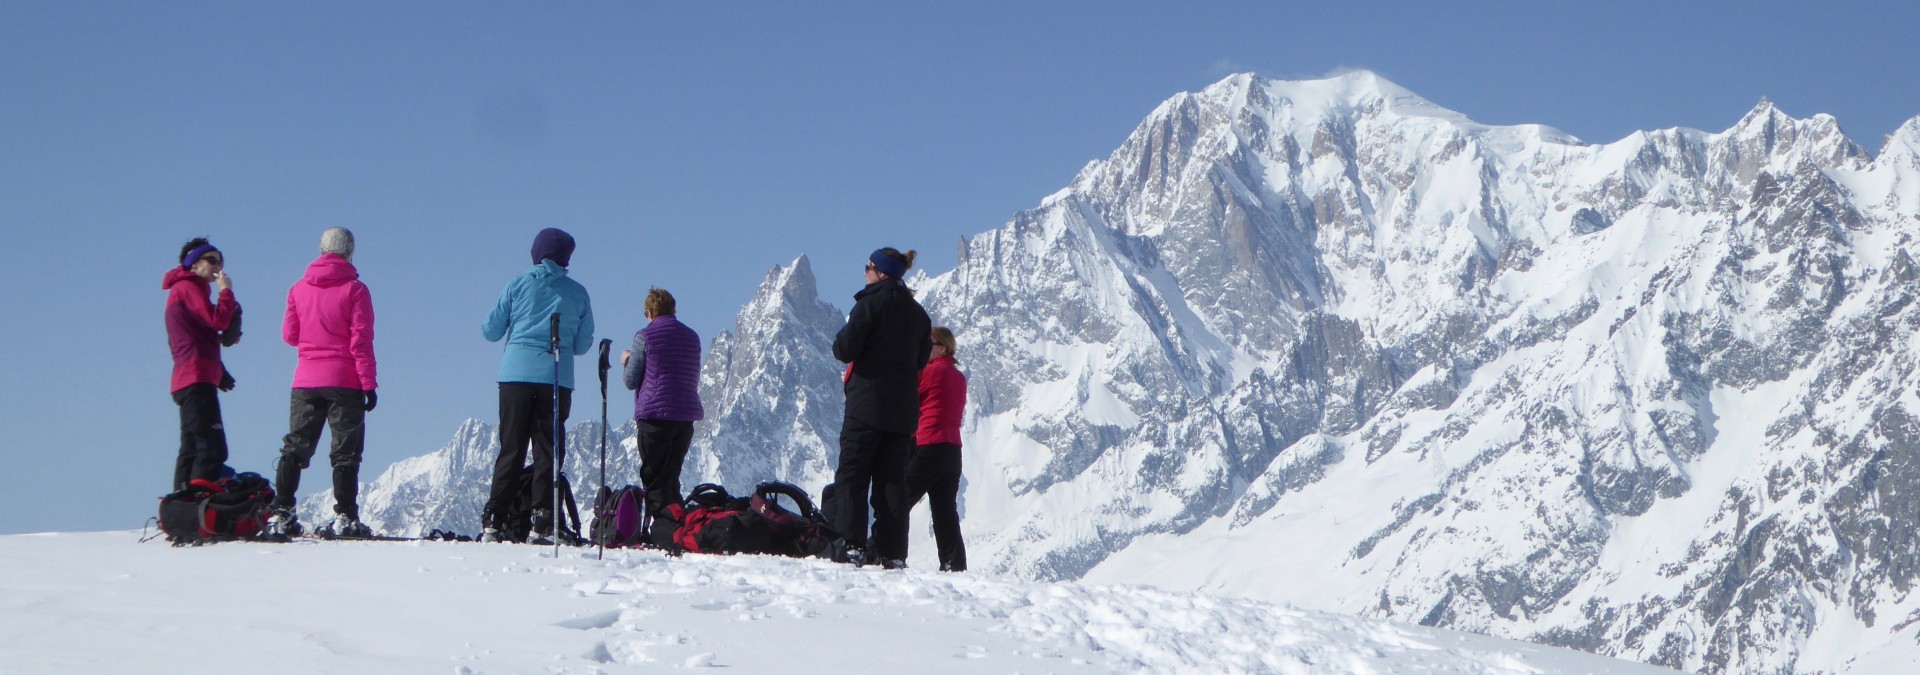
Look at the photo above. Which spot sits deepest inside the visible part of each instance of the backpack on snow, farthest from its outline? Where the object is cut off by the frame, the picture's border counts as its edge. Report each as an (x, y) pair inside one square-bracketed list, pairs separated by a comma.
[(799, 532), (712, 521), (620, 517), (236, 507), (515, 519)]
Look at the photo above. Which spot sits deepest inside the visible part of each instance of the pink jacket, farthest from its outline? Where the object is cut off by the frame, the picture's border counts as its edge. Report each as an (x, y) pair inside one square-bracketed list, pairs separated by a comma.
[(330, 318), (193, 328)]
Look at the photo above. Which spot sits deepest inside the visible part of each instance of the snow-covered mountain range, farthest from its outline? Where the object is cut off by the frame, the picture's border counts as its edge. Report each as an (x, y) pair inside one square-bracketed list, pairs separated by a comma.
[(1329, 343)]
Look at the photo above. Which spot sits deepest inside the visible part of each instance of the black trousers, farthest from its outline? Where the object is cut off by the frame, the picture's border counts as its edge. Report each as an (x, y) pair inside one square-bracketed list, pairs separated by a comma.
[(663, 449), (934, 472), (344, 412), (526, 416), (203, 439), (873, 470)]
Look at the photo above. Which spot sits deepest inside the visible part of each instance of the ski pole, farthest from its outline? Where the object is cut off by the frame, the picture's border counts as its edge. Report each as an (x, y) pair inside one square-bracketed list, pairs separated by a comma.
[(553, 511), (605, 346)]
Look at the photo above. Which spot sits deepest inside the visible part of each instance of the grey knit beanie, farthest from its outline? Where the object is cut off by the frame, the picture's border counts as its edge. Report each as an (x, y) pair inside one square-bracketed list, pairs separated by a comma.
[(337, 240)]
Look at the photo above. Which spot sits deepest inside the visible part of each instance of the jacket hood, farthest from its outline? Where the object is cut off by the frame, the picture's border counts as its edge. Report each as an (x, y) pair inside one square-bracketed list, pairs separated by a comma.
[(330, 270), (547, 269), (888, 283), (177, 275)]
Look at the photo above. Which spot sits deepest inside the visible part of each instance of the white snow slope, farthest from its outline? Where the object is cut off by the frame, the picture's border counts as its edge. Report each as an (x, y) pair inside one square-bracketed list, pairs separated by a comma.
[(102, 602)]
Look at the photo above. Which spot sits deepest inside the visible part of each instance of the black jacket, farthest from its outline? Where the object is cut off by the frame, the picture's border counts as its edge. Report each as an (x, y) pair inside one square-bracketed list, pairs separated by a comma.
[(886, 339)]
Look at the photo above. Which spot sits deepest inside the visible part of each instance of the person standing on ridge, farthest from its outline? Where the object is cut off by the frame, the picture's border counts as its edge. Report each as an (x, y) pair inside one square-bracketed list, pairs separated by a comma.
[(196, 330), (663, 369), (884, 344), (523, 316), (934, 469), (330, 320)]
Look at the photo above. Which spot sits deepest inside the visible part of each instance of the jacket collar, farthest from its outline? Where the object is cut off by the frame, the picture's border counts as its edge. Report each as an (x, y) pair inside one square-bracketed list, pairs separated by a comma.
[(330, 270), (176, 275), (886, 284), (547, 268)]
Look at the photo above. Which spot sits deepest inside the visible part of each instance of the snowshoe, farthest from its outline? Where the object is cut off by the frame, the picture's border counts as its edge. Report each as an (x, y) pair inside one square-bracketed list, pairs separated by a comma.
[(345, 527), (283, 525)]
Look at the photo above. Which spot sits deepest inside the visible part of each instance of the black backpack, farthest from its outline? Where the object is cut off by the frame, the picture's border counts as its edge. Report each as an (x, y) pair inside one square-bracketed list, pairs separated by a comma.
[(515, 519), (620, 517), (800, 531), (236, 507), (712, 521)]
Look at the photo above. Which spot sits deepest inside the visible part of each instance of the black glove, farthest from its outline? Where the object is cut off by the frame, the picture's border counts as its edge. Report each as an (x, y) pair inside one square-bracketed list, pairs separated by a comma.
[(231, 335), (226, 380), (372, 399)]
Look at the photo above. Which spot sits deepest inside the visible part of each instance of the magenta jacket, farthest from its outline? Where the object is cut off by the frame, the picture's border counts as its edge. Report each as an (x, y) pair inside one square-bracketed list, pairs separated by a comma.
[(330, 318), (193, 327)]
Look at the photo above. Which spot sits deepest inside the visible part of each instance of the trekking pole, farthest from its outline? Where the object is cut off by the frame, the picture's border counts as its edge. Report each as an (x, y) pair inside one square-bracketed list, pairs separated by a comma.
[(553, 511), (605, 345)]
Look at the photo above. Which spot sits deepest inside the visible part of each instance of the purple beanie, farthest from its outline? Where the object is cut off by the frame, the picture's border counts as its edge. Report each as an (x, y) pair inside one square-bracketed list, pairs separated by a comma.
[(553, 244), (193, 256)]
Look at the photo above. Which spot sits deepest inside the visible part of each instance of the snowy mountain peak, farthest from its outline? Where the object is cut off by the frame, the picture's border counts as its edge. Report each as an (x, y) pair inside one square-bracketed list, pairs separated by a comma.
[(1356, 92), (1645, 398), (1767, 138), (771, 389), (1903, 145)]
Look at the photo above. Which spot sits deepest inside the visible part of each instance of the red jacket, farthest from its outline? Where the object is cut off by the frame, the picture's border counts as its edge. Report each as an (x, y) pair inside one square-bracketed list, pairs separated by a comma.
[(193, 327), (943, 395), (330, 318)]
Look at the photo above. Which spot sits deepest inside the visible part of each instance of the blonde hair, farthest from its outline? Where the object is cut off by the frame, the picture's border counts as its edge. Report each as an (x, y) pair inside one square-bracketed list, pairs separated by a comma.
[(659, 302), (944, 338)]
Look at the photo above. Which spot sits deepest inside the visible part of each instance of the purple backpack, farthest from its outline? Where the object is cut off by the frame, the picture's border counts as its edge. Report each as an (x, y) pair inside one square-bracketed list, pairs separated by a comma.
[(620, 517)]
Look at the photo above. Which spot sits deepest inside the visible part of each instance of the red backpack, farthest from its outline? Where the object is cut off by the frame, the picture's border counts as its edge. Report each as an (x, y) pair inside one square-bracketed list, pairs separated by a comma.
[(236, 507), (712, 521), (799, 532)]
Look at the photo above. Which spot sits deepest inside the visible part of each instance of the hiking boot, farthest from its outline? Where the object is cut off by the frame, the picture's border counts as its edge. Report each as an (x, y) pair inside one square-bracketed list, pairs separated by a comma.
[(283, 524), (491, 535), (349, 526), (345, 527), (852, 555), (893, 564), (542, 533)]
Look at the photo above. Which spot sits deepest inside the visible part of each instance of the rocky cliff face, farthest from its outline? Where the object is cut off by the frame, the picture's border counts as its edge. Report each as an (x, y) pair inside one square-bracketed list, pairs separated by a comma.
[(1329, 343)]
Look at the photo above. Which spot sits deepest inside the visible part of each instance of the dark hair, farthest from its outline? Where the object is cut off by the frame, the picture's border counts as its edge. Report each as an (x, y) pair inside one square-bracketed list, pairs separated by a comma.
[(188, 248), (659, 302), (904, 258)]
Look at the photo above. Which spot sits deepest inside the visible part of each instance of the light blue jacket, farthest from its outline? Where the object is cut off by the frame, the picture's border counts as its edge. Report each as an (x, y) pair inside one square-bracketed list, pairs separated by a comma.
[(522, 317)]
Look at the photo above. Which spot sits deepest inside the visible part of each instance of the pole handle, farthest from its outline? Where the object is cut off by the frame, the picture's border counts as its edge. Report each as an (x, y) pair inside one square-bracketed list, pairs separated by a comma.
[(553, 332), (605, 363)]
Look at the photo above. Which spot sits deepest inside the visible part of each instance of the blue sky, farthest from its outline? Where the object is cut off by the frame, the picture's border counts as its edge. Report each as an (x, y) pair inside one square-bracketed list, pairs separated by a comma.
[(692, 146)]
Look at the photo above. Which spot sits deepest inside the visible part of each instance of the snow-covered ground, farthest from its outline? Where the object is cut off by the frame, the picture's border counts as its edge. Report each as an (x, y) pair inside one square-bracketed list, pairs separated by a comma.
[(102, 602)]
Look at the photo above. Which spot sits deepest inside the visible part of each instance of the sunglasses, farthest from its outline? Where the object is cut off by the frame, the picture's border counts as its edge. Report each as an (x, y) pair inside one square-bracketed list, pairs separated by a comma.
[(870, 267), (214, 259)]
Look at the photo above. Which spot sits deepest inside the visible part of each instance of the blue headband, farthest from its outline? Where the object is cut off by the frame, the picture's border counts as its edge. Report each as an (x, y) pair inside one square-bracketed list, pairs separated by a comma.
[(886, 264), (193, 256)]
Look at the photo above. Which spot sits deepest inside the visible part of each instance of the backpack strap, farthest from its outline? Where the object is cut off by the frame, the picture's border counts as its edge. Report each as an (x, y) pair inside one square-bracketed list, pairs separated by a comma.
[(707, 494), (774, 488), (572, 512)]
